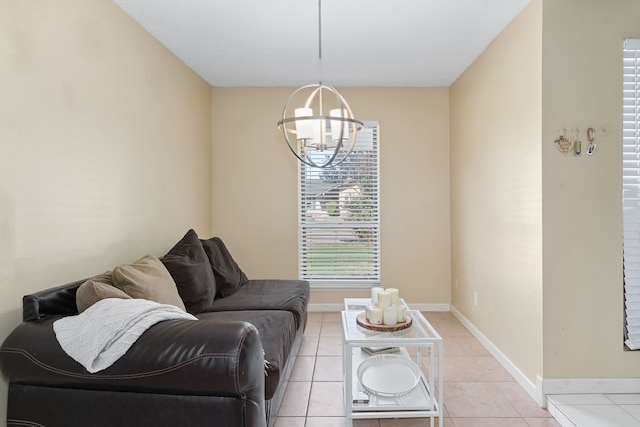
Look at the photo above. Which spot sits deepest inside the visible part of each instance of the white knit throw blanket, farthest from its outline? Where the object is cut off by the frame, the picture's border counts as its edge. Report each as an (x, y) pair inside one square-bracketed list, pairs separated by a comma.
[(103, 333)]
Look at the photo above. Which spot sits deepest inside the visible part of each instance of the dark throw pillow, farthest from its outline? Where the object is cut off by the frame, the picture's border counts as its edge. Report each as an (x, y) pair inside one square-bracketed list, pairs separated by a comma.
[(229, 277), (189, 266)]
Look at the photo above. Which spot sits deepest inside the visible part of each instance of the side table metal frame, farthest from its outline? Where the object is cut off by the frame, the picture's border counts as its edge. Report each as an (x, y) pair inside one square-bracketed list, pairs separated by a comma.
[(422, 401)]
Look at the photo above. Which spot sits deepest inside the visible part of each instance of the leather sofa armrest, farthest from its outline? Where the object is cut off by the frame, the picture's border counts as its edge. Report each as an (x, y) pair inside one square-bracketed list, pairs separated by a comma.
[(204, 357), (58, 301)]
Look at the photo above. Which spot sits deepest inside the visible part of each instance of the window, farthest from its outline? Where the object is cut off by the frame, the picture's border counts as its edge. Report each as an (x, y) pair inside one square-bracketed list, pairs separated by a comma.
[(339, 240), (631, 192)]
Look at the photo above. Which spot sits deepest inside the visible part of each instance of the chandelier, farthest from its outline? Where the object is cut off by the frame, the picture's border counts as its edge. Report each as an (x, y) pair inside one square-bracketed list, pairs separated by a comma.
[(321, 140)]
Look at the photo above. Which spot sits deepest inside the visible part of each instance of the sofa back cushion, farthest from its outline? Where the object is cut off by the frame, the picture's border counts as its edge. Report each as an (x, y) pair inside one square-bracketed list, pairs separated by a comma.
[(147, 278), (229, 277), (189, 266)]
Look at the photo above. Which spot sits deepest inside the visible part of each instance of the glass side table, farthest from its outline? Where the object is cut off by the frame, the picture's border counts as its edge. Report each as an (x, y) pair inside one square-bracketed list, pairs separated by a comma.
[(384, 400)]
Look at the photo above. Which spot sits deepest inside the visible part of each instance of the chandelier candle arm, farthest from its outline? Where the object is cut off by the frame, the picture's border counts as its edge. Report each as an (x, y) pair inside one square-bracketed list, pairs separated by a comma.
[(338, 126), (304, 128)]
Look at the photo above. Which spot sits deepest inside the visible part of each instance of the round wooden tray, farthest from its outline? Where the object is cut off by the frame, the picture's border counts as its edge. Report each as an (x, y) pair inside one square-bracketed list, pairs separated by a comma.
[(361, 320)]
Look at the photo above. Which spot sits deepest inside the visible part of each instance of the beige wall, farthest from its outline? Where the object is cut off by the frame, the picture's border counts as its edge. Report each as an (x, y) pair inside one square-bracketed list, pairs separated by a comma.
[(104, 147), (537, 233), (255, 187), (582, 216), (496, 192)]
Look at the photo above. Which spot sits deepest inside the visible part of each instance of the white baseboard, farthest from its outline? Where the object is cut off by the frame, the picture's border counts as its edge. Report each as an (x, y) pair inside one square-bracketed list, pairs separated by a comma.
[(420, 307), (591, 386), (430, 307), (325, 307), (534, 391)]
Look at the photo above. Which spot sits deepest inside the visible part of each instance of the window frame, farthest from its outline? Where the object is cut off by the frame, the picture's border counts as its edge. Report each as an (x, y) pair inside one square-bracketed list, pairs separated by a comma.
[(631, 192), (342, 222)]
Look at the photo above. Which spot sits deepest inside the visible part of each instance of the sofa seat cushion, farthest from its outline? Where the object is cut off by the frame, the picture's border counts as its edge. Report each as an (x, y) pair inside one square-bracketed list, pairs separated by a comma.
[(277, 332), (288, 295)]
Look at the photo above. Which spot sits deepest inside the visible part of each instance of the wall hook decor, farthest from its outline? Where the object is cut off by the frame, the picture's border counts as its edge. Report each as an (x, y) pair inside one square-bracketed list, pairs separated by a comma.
[(563, 144), (591, 136), (577, 144)]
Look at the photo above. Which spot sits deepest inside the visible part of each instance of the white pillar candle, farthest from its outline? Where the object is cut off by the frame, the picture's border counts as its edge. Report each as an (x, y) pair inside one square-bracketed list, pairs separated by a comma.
[(375, 315), (400, 311), (384, 299), (374, 295), (394, 295), (390, 316), (367, 310)]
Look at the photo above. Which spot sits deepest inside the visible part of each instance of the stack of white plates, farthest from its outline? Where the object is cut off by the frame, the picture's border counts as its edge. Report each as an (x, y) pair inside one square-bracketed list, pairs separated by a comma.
[(388, 375)]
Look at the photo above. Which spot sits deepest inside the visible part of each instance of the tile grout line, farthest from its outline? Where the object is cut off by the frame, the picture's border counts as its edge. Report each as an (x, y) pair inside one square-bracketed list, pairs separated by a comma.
[(313, 373)]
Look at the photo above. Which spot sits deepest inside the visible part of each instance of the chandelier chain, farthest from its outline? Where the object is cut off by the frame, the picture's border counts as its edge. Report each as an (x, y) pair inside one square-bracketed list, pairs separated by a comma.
[(320, 41)]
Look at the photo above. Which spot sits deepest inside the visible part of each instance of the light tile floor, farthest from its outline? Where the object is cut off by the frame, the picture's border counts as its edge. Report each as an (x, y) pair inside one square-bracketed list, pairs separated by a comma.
[(478, 391), (596, 410)]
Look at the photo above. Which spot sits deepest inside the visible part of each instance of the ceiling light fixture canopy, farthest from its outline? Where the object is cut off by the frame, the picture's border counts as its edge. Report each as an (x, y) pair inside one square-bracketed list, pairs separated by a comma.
[(322, 140)]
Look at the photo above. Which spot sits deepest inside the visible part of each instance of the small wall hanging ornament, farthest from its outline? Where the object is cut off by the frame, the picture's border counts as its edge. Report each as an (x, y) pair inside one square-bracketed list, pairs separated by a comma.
[(591, 136), (577, 145), (563, 144)]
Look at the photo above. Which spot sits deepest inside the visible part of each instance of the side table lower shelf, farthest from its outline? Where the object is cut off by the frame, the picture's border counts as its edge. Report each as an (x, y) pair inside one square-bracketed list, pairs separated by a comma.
[(419, 402)]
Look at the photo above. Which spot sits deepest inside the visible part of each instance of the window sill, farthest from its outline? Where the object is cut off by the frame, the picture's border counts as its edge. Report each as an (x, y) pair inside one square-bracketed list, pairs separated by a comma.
[(342, 287)]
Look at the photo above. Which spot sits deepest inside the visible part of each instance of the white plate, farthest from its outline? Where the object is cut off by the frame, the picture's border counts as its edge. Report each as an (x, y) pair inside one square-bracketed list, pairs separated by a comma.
[(388, 375)]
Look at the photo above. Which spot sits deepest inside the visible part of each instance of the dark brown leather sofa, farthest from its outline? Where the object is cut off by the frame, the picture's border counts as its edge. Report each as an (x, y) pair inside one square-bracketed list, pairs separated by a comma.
[(210, 372)]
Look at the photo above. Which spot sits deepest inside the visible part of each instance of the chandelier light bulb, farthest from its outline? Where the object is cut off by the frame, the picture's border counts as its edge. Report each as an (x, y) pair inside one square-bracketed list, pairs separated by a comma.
[(304, 128), (339, 129)]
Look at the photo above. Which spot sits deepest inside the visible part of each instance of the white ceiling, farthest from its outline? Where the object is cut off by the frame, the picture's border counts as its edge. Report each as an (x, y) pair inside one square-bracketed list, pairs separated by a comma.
[(365, 43)]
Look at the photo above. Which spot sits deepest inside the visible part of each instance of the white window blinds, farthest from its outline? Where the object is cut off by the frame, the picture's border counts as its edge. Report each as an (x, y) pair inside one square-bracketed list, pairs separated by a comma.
[(631, 192), (339, 217)]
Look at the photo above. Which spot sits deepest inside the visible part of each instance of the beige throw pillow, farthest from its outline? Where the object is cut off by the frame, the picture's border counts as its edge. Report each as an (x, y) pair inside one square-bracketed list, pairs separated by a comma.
[(147, 278), (96, 289)]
